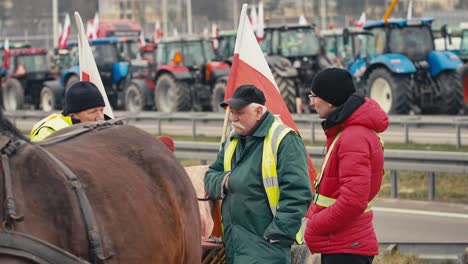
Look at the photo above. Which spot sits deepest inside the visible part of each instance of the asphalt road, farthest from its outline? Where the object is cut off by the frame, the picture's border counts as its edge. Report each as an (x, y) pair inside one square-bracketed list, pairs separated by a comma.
[(402, 221)]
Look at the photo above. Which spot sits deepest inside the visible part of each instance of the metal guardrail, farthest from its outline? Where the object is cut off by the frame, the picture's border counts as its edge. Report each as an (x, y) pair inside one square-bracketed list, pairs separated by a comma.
[(431, 162), (304, 120)]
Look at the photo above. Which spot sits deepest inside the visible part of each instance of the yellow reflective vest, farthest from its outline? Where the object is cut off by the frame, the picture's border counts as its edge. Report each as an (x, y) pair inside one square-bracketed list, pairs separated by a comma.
[(48, 126), (271, 144)]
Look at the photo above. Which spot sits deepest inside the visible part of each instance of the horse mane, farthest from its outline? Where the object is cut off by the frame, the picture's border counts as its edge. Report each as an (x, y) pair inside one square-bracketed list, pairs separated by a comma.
[(8, 129)]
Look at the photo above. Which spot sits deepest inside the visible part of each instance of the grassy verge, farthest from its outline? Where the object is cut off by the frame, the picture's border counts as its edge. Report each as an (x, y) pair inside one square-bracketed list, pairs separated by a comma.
[(398, 258)]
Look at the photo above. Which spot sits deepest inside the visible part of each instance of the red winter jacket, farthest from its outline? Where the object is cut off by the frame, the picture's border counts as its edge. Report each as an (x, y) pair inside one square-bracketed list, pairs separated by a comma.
[(352, 176)]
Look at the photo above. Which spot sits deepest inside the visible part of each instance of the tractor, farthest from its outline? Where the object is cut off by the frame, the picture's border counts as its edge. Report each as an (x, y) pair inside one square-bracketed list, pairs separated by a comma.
[(463, 53), (299, 44), (283, 71), (187, 74), (22, 82), (404, 73), (125, 81)]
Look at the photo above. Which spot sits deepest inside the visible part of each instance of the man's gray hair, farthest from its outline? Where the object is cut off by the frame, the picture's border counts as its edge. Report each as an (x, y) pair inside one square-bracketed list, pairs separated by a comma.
[(255, 105)]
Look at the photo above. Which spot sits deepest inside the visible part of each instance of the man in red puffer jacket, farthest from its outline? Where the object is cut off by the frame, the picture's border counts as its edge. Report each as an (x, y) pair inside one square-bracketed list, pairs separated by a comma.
[(340, 225)]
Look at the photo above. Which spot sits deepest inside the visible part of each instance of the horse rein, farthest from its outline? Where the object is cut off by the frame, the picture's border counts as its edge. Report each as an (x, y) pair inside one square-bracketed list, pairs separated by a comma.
[(7, 149)]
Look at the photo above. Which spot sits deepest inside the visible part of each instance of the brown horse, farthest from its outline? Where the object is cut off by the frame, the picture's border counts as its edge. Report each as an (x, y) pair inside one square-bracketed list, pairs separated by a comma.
[(142, 206)]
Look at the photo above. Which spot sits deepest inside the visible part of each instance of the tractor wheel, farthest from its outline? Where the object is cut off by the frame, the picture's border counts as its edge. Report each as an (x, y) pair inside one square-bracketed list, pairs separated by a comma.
[(392, 91), (287, 89), (300, 254), (451, 93), (71, 80), (218, 96), (172, 95), (13, 97), (133, 99), (465, 87), (47, 99)]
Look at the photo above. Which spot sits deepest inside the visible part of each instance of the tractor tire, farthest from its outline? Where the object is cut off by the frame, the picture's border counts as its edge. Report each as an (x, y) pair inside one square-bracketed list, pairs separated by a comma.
[(392, 91), (172, 95), (287, 89), (47, 99), (133, 99), (465, 87), (218, 96), (451, 93), (13, 97), (70, 81), (300, 254)]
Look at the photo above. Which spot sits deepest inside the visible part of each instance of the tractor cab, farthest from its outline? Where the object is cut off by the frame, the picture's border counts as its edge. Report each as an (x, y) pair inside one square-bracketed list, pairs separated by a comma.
[(27, 70), (187, 73), (404, 72), (296, 47), (226, 41)]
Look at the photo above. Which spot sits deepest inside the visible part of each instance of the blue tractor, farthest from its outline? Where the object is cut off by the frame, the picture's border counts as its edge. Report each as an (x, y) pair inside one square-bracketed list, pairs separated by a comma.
[(404, 73), (122, 77)]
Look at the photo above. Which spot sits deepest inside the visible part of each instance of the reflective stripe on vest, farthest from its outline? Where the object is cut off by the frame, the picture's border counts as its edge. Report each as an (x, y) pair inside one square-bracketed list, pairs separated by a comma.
[(325, 201), (54, 122)]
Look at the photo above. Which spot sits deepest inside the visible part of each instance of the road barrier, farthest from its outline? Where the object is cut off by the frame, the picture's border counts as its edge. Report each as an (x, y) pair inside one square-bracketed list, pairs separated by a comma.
[(431, 162), (304, 120)]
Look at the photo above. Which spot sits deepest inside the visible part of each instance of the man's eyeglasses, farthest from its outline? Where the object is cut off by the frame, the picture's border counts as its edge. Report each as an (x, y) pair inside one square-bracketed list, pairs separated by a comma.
[(311, 95)]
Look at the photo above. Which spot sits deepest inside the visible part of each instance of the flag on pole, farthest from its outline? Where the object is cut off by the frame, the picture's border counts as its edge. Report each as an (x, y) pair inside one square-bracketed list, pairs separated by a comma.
[(63, 38), (260, 30), (249, 66), (214, 36), (6, 53), (303, 20), (157, 32), (253, 18), (141, 40), (95, 25), (362, 20), (88, 69)]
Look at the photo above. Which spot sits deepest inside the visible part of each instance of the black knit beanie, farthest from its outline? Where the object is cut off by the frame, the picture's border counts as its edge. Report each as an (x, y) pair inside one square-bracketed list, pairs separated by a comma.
[(82, 96), (333, 85)]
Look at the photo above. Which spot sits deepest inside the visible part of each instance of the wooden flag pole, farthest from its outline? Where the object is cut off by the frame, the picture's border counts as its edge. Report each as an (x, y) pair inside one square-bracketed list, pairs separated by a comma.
[(217, 204)]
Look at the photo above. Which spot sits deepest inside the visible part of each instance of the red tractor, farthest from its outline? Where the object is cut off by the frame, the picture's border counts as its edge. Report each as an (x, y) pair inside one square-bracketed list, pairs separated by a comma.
[(23, 80), (187, 74)]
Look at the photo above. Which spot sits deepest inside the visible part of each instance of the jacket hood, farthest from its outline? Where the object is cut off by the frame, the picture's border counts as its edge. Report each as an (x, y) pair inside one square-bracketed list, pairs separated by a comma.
[(368, 114)]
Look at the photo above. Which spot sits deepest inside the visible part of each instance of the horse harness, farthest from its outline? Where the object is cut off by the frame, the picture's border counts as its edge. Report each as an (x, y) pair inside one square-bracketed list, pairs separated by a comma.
[(39, 251)]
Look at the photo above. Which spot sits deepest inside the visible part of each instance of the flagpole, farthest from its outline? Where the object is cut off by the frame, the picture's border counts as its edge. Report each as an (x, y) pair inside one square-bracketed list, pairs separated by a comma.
[(225, 124), (54, 22)]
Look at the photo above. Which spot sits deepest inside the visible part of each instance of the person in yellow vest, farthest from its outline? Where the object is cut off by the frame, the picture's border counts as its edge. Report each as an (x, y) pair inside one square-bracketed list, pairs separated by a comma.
[(83, 103), (340, 219), (261, 175)]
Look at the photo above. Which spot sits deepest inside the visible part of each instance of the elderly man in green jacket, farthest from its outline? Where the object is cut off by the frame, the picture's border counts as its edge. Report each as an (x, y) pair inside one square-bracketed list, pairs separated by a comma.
[(261, 175)]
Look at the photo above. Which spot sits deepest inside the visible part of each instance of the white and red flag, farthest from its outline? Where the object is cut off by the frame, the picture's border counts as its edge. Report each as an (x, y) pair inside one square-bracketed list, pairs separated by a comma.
[(214, 36), (88, 69), (362, 20), (63, 38), (6, 53), (92, 27), (157, 32), (253, 17), (249, 66), (303, 20), (141, 39)]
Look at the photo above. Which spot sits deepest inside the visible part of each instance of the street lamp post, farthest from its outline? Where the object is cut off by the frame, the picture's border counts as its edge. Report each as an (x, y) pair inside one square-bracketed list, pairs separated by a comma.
[(54, 22), (189, 16)]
